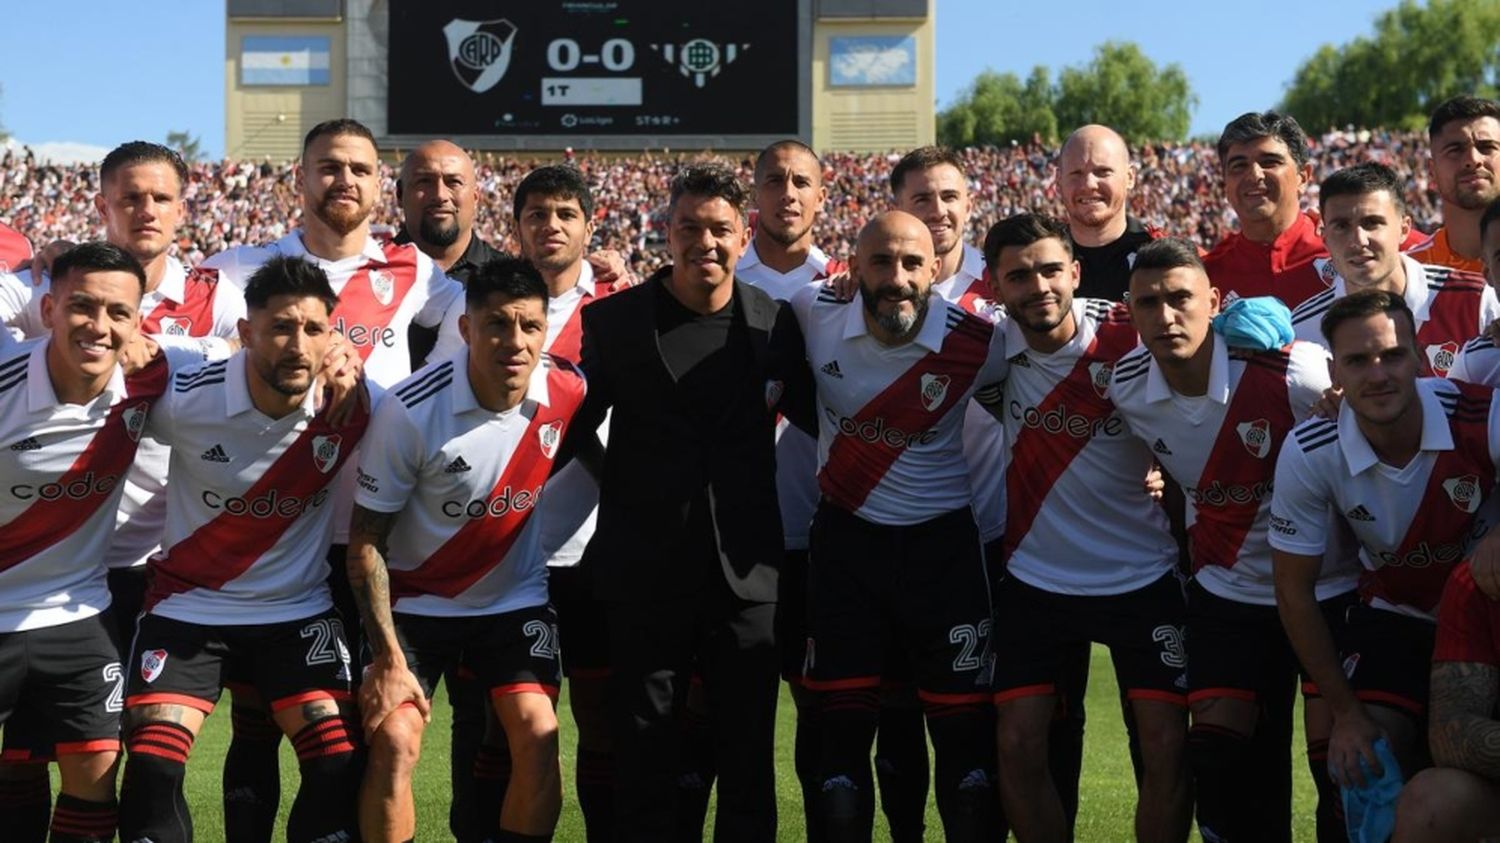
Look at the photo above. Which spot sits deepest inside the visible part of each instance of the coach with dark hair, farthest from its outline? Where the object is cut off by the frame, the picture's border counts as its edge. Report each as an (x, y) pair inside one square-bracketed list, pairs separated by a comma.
[(688, 543)]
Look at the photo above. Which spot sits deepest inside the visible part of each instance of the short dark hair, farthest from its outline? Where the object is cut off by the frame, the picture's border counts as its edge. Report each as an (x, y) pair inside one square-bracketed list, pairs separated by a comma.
[(143, 152), (1364, 304), (287, 275), (1023, 230), (1462, 107), (510, 276), (1254, 125), (783, 145), (1165, 254), (1490, 216), (334, 128), (97, 256), (920, 159), (557, 181), (714, 181), (1362, 179)]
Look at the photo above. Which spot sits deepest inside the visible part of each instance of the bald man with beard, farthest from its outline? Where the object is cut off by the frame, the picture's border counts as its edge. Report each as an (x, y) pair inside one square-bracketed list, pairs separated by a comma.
[(1095, 177)]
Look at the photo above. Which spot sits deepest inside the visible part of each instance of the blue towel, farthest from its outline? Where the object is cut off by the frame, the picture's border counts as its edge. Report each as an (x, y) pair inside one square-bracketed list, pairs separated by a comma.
[(1370, 811), (1262, 323)]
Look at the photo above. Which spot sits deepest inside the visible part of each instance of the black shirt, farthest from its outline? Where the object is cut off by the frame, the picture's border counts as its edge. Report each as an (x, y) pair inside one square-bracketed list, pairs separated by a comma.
[(422, 340), (1106, 269)]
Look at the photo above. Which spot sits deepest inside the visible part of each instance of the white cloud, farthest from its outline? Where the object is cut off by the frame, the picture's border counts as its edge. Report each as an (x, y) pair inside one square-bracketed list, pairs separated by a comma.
[(63, 152), (868, 65)]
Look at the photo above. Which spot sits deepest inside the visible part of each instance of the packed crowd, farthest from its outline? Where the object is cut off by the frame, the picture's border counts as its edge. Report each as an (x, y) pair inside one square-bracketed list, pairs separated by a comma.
[(1179, 190)]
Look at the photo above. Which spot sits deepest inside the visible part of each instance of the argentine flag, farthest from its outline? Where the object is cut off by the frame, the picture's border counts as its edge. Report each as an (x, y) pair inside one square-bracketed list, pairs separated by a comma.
[(284, 60)]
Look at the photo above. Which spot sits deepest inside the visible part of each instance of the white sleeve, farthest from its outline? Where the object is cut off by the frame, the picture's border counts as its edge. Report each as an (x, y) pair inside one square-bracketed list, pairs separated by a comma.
[(441, 291), (1300, 505), (202, 349), (991, 377), (159, 421), (390, 458), (1307, 378), (1477, 362), (23, 306), (15, 295), (229, 309), (449, 341), (1489, 308)]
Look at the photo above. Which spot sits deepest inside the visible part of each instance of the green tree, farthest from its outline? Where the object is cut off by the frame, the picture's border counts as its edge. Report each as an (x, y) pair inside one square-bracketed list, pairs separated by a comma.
[(1124, 89), (1418, 56), (998, 108), (188, 145)]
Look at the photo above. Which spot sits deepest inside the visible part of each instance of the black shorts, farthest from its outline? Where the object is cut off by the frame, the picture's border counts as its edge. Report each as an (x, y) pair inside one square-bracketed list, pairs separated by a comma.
[(510, 653), (61, 689), (1234, 649), (1037, 631), (288, 663), (127, 594), (580, 623), (791, 614), (1387, 657), (920, 590)]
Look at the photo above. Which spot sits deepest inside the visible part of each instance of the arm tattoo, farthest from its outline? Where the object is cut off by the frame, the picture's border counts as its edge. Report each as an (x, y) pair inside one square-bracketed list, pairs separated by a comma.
[(1464, 732), (368, 578)]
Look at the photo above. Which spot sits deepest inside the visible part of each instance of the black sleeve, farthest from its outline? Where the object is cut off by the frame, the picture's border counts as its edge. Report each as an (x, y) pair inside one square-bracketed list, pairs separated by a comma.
[(799, 393), (581, 439)]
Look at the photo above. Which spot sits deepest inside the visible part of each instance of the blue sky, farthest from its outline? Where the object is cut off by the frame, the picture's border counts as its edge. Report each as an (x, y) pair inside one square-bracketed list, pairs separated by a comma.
[(99, 73)]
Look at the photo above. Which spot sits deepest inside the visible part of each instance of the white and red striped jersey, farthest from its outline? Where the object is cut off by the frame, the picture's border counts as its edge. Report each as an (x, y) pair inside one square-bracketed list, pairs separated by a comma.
[(796, 452), (465, 482), (570, 503), (1079, 518), (890, 418), (381, 292), (1451, 307), (250, 510), (1222, 448), (1413, 523), (63, 467), (1478, 362), (966, 287)]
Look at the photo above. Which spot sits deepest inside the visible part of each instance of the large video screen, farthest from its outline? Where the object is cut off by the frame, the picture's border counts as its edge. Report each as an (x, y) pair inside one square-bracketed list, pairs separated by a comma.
[(593, 67)]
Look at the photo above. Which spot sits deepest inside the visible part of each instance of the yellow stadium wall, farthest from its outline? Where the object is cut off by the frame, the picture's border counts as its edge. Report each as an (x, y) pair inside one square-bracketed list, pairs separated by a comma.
[(878, 118), (269, 122)]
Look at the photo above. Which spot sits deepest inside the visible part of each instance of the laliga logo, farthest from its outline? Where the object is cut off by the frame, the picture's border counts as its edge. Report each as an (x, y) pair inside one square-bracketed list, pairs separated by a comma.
[(1257, 437), (383, 285), (700, 58), (934, 390), (1464, 492), (325, 451), (479, 51), (135, 420), (1099, 376), (550, 435), (1440, 357)]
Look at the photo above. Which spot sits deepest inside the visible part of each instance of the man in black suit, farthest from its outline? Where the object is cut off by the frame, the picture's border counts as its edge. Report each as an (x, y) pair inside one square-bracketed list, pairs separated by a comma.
[(688, 543)]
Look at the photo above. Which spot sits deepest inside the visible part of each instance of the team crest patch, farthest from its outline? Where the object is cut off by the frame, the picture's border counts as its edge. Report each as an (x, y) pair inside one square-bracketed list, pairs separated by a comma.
[(1351, 662), (135, 420), (176, 326), (153, 662), (550, 436), (1099, 376), (1464, 492), (934, 390), (1326, 273), (1257, 437), (326, 451), (479, 51), (774, 390), (1440, 357), (383, 285)]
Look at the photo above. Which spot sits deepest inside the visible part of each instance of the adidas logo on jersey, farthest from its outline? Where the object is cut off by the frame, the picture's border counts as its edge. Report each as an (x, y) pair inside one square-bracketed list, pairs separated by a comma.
[(30, 443), (215, 454), (1359, 513), (1161, 447), (831, 369), (458, 466)]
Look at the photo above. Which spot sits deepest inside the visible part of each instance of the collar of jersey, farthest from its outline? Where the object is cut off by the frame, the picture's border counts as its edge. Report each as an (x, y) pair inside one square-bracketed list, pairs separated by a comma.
[(1157, 388), (292, 246), (816, 260), (929, 336), (39, 392), (1436, 435), (1015, 339), (1416, 294), (173, 286), (237, 398)]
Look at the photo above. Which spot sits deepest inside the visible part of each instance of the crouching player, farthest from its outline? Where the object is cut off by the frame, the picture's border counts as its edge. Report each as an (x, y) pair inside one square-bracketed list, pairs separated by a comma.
[(445, 559), (242, 576)]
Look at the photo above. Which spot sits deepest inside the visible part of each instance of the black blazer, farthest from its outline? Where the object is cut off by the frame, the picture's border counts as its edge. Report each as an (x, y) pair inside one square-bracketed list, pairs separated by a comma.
[(657, 461)]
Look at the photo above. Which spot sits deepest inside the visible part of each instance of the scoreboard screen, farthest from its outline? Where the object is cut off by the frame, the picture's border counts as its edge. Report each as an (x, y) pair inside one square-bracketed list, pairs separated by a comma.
[(594, 67)]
